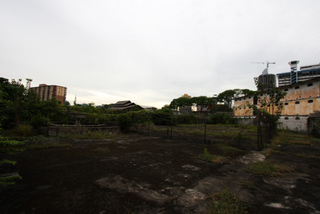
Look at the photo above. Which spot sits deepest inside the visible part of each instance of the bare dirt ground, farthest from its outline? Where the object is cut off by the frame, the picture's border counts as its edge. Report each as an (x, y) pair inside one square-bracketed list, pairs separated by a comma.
[(138, 173)]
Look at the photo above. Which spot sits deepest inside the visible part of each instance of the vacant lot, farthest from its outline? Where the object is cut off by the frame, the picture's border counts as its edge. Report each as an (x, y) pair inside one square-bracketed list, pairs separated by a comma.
[(139, 173)]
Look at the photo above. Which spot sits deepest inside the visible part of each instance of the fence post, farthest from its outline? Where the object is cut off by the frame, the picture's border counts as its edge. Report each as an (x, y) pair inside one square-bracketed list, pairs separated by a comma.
[(205, 129), (259, 135), (148, 121), (171, 124)]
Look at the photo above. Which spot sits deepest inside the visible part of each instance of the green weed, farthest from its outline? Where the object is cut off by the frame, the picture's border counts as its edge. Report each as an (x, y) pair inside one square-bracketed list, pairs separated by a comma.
[(229, 150), (45, 145), (9, 179), (23, 131), (206, 156), (88, 135), (226, 203), (102, 150), (247, 184), (265, 168), (308, 156)]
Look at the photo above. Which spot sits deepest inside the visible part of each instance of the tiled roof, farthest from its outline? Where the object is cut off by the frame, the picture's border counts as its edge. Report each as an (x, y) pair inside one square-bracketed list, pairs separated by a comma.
[(123, 105)]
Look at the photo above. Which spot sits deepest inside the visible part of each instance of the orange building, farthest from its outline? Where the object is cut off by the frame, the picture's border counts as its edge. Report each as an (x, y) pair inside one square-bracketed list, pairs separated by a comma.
[(302, 100), (186, 95), (47, 92)]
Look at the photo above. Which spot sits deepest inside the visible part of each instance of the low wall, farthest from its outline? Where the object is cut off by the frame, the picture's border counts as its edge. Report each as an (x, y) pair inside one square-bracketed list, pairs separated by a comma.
[(246, 120), (57, 130), (293, 123)]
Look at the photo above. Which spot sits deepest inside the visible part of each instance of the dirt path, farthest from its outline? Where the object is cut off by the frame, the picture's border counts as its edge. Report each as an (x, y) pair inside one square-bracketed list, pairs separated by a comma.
[(143, 174)]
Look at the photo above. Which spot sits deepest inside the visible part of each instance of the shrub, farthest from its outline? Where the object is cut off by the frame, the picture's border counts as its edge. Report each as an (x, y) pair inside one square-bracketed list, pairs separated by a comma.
[(186, 119), (10, 147), (206, 156), (221, 119), (124, 122), (39, 120), (225, 202), (163, 118), (23, 131), (139, 117)]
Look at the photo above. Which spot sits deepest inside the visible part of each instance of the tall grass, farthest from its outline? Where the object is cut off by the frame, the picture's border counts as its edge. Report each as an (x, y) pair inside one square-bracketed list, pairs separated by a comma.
[(206, 156), (268, 169), (88, 135), (225, 203)]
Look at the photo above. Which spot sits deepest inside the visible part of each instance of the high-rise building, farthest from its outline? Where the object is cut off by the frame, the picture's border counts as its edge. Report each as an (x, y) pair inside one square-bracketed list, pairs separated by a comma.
[(266, 82), (306, 73), (47, 92)]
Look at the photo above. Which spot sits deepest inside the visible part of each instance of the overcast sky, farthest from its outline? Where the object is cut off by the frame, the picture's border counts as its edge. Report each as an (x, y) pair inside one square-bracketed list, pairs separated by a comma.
[(151, 52)]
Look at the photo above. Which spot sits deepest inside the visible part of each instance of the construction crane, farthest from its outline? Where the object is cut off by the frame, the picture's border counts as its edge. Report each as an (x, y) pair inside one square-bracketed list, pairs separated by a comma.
[(265, 71)]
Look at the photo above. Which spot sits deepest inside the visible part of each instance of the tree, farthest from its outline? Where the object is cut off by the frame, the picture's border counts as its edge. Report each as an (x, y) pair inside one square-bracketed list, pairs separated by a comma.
[(16, 99), (9, 147), (268, 111), (180, 102), (229, 95), (203, 101)]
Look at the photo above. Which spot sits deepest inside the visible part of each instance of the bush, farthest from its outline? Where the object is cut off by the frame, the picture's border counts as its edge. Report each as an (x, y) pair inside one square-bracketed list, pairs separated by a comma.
[(186, 119), (139, 117), (226, 202), (23, 131), (163, 117), (40, 120), (9, 147), (221, 119), (124, 122)]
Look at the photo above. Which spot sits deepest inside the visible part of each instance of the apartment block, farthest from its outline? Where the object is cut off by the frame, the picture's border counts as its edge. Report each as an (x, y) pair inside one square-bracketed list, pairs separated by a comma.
[(47, 92)]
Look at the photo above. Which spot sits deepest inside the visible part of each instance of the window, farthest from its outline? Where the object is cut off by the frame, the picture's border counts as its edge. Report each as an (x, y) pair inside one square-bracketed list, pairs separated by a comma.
[(286, 118), (286, 89), (310, 101), (286, 104), (297, 118), (310, 84), (297, 102), (297, 87)]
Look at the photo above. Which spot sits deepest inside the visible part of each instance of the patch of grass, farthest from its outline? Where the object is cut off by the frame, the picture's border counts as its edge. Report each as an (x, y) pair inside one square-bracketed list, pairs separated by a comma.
[(206, 156), (229, 150), (268, 169), (223, 134), (102, 150), (286, 137), (247, 184), (9, 179), (225, 202), (270, 152), (292, 138), (23, 131), (308, 156), (88, 135), (45, 145)]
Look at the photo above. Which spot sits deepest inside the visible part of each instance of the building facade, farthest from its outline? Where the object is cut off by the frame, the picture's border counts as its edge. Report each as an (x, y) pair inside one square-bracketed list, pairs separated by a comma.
[(306, 73), (47, 92), (302, 100)]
